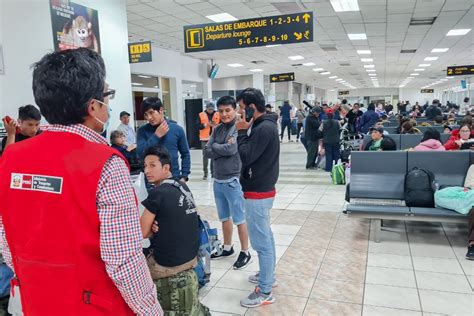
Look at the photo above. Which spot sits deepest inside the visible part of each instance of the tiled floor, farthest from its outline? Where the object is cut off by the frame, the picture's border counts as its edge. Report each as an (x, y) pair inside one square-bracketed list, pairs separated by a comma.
[(326, 262)]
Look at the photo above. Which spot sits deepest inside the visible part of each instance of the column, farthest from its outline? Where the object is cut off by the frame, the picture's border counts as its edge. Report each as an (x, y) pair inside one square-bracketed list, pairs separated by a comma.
[(257, 82), (207, 82)]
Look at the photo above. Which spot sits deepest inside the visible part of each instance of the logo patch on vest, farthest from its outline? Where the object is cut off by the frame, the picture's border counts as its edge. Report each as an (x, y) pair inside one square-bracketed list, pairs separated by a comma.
[(20, 181)]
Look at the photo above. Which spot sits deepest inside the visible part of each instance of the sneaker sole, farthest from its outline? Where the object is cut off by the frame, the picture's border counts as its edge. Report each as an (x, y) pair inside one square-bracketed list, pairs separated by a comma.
[(470, 258), (262, 304), (244, 266), (223, 257)]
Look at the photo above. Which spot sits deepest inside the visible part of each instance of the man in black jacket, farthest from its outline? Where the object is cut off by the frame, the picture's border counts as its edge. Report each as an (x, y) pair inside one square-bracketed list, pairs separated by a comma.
[(259, 150), (312, 135), (433, 111)]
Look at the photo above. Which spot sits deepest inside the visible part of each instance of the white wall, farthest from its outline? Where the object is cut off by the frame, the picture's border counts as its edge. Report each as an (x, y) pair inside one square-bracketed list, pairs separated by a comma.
[(232, 83), (415, 95), (26, 42), (177, 67)]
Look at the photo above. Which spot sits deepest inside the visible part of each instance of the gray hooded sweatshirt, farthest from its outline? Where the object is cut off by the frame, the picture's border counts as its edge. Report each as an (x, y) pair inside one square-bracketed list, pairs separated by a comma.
[(224, 154)]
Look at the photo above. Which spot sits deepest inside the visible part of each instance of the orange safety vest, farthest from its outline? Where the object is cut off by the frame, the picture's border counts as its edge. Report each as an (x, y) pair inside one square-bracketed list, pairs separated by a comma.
[(205, 133)]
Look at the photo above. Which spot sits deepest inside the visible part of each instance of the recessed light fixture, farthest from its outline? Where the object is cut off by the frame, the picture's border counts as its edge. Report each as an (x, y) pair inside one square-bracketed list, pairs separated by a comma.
[(458, 32), (449, 77), (333, 77), (372, 75), (424, 65), (420, 69), (137, 84), (143, 76), (430, 58), (369, 66), (366, 60), (414, 74), (296, 57), (345, 5), (370, 70), (235, 65), (256, 70), (309, 64), (443, 79), (357, 37), (273, 45), (364, 52), (332, 90), (325, 73), (221, 17), (318, 69), (439, 50), (340, 79)]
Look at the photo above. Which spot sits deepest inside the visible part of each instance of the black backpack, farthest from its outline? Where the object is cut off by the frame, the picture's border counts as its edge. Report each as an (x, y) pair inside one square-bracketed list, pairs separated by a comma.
[(419, 188)]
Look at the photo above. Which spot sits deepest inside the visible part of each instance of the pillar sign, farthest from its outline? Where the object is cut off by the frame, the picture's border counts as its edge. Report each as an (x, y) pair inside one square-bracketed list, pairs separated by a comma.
[(139, 52), (261, 31)]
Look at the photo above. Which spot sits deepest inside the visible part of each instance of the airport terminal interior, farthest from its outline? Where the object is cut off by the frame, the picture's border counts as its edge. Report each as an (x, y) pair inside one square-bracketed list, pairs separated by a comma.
[(348, 161)]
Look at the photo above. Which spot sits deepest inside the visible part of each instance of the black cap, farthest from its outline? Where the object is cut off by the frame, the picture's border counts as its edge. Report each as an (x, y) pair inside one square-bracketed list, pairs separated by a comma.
[(378, 129), (123, 113)]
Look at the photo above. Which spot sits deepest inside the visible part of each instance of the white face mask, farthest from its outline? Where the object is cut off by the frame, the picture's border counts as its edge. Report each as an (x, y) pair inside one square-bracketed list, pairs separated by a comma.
[(105, 125)]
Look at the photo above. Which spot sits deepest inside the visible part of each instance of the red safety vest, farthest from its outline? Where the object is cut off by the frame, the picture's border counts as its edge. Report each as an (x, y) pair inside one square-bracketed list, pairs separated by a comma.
[(48, 203)]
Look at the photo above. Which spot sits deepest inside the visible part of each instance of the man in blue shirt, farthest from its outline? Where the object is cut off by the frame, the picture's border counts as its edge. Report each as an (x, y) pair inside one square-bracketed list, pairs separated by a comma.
[(162, 132), (286, 116)]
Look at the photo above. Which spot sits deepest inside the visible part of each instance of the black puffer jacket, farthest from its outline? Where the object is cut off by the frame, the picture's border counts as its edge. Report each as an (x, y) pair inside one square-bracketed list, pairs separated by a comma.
[(260, 154)]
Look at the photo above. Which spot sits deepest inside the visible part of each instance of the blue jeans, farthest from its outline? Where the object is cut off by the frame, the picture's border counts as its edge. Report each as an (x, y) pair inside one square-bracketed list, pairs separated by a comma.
[(262, 241), (333, 153), (230, 201)]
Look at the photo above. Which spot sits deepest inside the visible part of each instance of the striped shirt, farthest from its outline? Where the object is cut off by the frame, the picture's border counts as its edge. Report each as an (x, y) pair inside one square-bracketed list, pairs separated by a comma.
[(120, 233)]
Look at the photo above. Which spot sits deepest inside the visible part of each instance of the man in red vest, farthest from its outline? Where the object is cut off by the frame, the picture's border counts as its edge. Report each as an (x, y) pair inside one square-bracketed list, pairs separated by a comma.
[(207, 120), (69, 223)]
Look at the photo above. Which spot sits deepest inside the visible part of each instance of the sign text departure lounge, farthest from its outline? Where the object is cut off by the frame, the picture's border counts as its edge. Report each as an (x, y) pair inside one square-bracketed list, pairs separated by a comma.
[(271, 30), (460, 70), (289, 76)]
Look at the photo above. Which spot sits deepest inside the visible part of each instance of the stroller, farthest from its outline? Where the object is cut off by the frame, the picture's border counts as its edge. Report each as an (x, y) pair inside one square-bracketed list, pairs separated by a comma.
[(349, 142)]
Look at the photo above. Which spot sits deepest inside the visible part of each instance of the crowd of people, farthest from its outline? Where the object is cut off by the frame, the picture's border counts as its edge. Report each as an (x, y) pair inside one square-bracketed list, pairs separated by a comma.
[(84, 240)]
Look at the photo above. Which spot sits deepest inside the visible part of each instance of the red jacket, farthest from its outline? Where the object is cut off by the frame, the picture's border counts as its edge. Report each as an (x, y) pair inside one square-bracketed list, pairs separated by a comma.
[(52, 226), (450, 144)]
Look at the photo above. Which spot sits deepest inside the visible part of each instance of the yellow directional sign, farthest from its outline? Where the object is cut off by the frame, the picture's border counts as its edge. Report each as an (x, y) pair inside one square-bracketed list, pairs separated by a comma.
[(261, 31), (460, 70), (289, 76), (344, 92), (427, 90)]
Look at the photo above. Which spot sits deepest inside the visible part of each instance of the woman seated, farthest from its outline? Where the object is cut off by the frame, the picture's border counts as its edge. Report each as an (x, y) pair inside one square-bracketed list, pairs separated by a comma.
[(117, 139), (461, 139), (175, 240), (409, 128), (431, 141)]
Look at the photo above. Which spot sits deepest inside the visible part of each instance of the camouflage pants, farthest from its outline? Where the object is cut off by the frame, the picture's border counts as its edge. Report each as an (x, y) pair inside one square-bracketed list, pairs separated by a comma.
[(178, 295)]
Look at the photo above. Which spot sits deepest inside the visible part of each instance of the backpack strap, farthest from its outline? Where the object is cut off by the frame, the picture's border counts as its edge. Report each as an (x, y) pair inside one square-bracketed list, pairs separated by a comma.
[(178, 185)]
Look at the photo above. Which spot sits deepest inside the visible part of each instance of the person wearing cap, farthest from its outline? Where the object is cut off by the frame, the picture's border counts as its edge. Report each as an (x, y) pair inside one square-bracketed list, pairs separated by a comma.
[(312, 135), (207, 120), (331, 139), (376, 133), (124, 127), (268, 108)]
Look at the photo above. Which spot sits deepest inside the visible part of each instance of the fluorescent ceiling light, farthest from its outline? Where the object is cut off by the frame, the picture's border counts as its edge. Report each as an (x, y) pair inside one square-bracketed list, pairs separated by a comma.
[(318, 69), (424, 65), (325, 73), (369, 66), (372, 75), (333, 77), (443, 79), (364, 52), (357, 37), (420, 69), (273, 45), (439, 50), (430, 58), (402, 86), (332, 90), (296, 57), (345, 5), (458, 32), (414, 74), (221, 17), (366, 60), (370, 70), (143, 76), (449, 77), (137, 84), (309, 64), (340, 79), (256, 70), (235, 65)]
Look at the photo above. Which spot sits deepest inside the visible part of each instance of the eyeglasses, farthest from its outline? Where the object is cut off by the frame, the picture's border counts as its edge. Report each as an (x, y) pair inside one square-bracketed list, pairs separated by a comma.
[(109, 93)]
